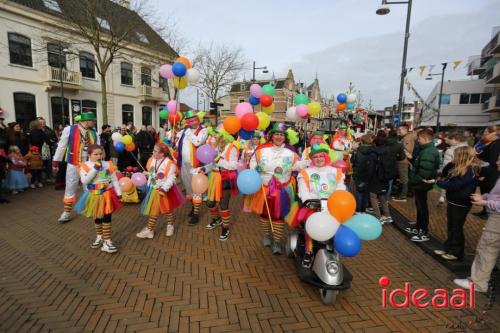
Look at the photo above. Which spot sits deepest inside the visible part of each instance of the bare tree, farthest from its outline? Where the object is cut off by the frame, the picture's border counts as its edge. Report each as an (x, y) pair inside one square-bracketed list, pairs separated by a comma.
[(219, 67)]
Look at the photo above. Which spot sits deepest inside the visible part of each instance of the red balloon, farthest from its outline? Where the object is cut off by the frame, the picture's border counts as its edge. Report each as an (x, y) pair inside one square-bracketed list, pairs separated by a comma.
[(266, 100), (174, 118), (249, 122)]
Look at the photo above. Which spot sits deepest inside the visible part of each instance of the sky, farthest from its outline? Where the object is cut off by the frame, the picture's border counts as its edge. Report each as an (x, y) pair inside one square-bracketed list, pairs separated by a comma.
[(341, 41)]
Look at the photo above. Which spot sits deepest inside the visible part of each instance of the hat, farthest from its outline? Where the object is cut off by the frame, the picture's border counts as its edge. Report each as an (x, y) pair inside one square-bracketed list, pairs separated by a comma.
[(343, 126), (226, 135), (317, 133), (34, 148), (319, 148), (84, 116), (189, 114), (278, 128)]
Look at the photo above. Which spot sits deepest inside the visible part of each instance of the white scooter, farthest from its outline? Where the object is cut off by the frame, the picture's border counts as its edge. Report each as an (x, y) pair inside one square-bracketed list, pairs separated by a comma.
[(326, 272)]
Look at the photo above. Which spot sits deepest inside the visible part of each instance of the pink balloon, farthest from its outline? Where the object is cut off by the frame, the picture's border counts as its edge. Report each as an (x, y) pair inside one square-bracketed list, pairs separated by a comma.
[(340, 164), (139, 179), (166, 71), (255, 90), (172, 106), (301, 110), (244, 108)]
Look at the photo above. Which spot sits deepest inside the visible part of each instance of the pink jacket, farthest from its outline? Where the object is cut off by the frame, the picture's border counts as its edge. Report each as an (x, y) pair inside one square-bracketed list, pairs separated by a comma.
[(493, 199)]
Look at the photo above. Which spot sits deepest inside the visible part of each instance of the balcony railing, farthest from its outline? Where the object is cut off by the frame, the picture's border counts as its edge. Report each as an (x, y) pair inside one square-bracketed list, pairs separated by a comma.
[(150, 93), (494, 77), (474, 65), (494, 45), (68, 77)]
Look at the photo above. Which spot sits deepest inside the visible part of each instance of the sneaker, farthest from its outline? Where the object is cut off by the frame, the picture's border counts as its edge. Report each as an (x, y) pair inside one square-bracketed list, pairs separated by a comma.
[(439, 252), (170, 230), (32, 186), (214, 223), (195, 219), (307, 260), (107, 246), (399, 199), (65, 217), (386, 219), (267, 240), (369, 210), (224, 235), (277, 248), (97, 243), (146, 233), (420, 237), (448, 256), (465, 284), (39, 185), (411, 230)]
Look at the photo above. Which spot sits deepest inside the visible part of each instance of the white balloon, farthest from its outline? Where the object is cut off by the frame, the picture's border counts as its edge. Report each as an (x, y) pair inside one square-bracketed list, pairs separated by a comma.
[(116, 136), (291, 114), (193, 76), (321, 226), (351, 98)]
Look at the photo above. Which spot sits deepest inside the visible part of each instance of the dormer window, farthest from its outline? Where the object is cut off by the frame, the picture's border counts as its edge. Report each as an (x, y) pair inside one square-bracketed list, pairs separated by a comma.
[(52, 5), (103, 23), (142, 37)]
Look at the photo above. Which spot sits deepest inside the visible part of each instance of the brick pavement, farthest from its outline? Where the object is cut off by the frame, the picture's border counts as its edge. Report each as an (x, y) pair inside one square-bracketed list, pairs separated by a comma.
[(51, 281)]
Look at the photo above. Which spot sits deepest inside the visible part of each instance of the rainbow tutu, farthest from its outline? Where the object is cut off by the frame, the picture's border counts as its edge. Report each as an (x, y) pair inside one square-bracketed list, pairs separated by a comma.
[(97, 204), (158, 202)]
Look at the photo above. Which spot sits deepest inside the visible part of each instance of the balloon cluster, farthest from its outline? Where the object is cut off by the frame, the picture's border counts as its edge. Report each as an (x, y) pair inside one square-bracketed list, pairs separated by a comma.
[(180, 73), (339, 223), (171, 111), (345, 102), (303, 109), (123, 142)]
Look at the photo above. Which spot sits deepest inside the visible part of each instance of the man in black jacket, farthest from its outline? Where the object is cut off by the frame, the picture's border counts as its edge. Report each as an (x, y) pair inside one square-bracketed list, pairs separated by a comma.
[(145, 143), (106, 141), (396, 154)]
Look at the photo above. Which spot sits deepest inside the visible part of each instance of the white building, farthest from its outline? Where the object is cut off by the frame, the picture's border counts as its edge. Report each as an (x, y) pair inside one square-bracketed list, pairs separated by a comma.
[(461, 105), (34, 33)]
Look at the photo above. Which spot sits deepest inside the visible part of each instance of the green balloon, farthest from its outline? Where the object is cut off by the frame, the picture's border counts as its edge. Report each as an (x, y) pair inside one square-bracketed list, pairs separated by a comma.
[(301, 99), (268, 89), (163, 114)]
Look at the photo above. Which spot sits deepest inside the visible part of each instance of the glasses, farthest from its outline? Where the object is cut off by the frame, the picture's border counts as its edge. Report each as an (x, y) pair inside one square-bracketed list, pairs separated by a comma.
[(278, 134)]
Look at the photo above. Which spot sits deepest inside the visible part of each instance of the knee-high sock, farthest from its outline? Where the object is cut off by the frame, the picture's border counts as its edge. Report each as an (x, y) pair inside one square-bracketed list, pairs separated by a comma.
[(265, 226), (196, 206), (170, 218), (152, 222), (98, 228), (278, 227), (68, 206), (214, 213), (106, 231), (309, 243), (226, 216)]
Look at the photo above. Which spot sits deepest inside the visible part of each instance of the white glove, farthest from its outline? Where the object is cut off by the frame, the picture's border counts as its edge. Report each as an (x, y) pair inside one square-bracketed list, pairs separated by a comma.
[(195, 171)]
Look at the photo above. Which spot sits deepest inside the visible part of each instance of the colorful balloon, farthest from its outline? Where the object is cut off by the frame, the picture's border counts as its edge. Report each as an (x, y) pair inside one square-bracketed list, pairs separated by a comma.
[(193, 75), (270, 109), (301, 99), (127, 139), (185, 61), (346, 242), (179, 69), (242, 109), (351, 98), (232, 124), (206, 154), (301, 110), (268, 89), (341, 107), (126, 184), (180, 83), (249, 181), (172, 106), (130, 147), (174, 118), (266, 100), (245, 135), (342, 205), (116, 136), (264, 120), (164, 114), (255, 90), (314, 108), (350, 106), (119, 146), (166, 71), (139, 179), (249, 122), (253, 100), (199, 183), (341, 98), (291, 114), (321, 226), (365, 226), (341, 164)]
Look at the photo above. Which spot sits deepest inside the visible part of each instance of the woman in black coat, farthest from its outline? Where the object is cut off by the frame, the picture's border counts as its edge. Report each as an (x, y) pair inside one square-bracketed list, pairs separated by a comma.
[(16, 137)]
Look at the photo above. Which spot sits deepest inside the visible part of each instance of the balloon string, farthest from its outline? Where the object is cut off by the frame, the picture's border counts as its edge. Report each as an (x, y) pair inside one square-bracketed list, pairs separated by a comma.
[(267, 208), (137, 161)]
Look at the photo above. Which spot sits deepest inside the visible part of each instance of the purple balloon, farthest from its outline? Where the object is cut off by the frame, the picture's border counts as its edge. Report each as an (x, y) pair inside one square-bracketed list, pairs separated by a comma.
[(172, 106), (205, 154), (255, 90), (166, 71), (139, 179)]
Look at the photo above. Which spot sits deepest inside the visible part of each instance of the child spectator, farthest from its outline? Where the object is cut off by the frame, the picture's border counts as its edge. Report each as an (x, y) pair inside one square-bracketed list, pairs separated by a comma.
[(16, 179), (34, 162)]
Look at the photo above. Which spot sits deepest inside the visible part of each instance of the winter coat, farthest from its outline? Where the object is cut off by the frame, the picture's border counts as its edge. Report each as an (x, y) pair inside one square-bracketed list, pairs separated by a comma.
[(384, 164), (460, 188), (450, 152), (408, 141), (490, 155), (37, 138), (396, 149), (34, 161), (20, 140), (425, 166), (363, 164), (106, 143)]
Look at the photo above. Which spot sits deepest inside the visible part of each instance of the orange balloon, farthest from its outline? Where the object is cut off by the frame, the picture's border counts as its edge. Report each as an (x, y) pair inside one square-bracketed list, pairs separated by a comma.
[(185, 61), (130, 147), (199, 183), (232, 124), (341, 107), (342, 205), (126, 184)]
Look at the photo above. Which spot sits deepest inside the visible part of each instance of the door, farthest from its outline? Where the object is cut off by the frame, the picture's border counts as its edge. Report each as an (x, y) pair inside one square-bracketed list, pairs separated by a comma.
[(25, 109)]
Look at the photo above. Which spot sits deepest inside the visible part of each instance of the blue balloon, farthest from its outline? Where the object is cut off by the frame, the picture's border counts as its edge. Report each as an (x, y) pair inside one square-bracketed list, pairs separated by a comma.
[(249, 181), (119, 147), (179, 69), (341, 98), (350, 106), (253, 100), (245, 135), (365, 226), (346, 242), (143, 188)]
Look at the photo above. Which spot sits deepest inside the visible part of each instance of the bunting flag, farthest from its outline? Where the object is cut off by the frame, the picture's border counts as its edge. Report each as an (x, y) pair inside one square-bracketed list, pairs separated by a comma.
[(431, 67), (456, 63), (421, 69)]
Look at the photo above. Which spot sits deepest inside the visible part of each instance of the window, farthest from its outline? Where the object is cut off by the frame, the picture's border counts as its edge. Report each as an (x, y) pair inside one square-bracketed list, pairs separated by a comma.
[(127, 113), (103, 23), (52, 5), (87, 65), (20, 50), (147, 115), (445, 99), (127, 77), (485, 98), (146, 76), (59, 117), (464, 99), (475, 98), (56, 55), (25, 109), (163, 83), (142, 37)]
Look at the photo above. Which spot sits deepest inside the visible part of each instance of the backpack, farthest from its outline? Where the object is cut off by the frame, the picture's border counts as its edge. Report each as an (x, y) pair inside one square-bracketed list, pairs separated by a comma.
[(385, 166)]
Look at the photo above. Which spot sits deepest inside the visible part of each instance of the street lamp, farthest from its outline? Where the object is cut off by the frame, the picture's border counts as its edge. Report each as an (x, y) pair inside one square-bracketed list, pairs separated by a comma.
[(264, 70), (384, 9), (429, 77)]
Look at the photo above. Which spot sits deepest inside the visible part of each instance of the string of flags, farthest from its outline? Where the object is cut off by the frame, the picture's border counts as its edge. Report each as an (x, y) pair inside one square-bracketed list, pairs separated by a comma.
[(421, 69)]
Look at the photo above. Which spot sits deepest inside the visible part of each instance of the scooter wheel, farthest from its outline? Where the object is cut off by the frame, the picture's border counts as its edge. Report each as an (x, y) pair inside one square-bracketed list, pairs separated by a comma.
[(328, 296)]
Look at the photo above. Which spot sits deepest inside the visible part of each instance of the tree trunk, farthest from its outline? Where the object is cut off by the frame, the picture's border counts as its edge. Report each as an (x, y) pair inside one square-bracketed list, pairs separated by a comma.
[(104, 99)]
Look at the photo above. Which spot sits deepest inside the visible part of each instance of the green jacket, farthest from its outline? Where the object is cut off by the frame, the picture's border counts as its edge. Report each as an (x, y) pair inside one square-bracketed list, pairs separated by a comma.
[(425, 166)]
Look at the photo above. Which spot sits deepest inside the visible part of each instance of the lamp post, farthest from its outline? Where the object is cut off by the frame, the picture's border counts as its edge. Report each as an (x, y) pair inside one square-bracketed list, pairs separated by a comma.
[(384, 9), (61, 82), (264, 70), (429, 77)]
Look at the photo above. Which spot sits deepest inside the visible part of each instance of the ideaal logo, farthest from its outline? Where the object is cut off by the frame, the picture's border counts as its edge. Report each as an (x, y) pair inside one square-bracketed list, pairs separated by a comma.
[(423, 298)]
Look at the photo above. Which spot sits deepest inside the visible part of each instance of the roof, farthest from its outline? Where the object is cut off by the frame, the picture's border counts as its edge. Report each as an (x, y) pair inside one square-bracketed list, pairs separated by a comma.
[(119, 17), (236, 87)]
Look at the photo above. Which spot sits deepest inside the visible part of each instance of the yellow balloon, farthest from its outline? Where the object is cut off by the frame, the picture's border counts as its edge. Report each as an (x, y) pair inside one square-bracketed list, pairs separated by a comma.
[(314, 108), (127, 139), (270, 109), (264, 120), (180, 82)]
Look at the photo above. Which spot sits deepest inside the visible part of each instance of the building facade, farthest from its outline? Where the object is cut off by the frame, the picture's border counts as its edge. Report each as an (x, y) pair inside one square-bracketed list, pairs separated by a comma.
[(48, 69)]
